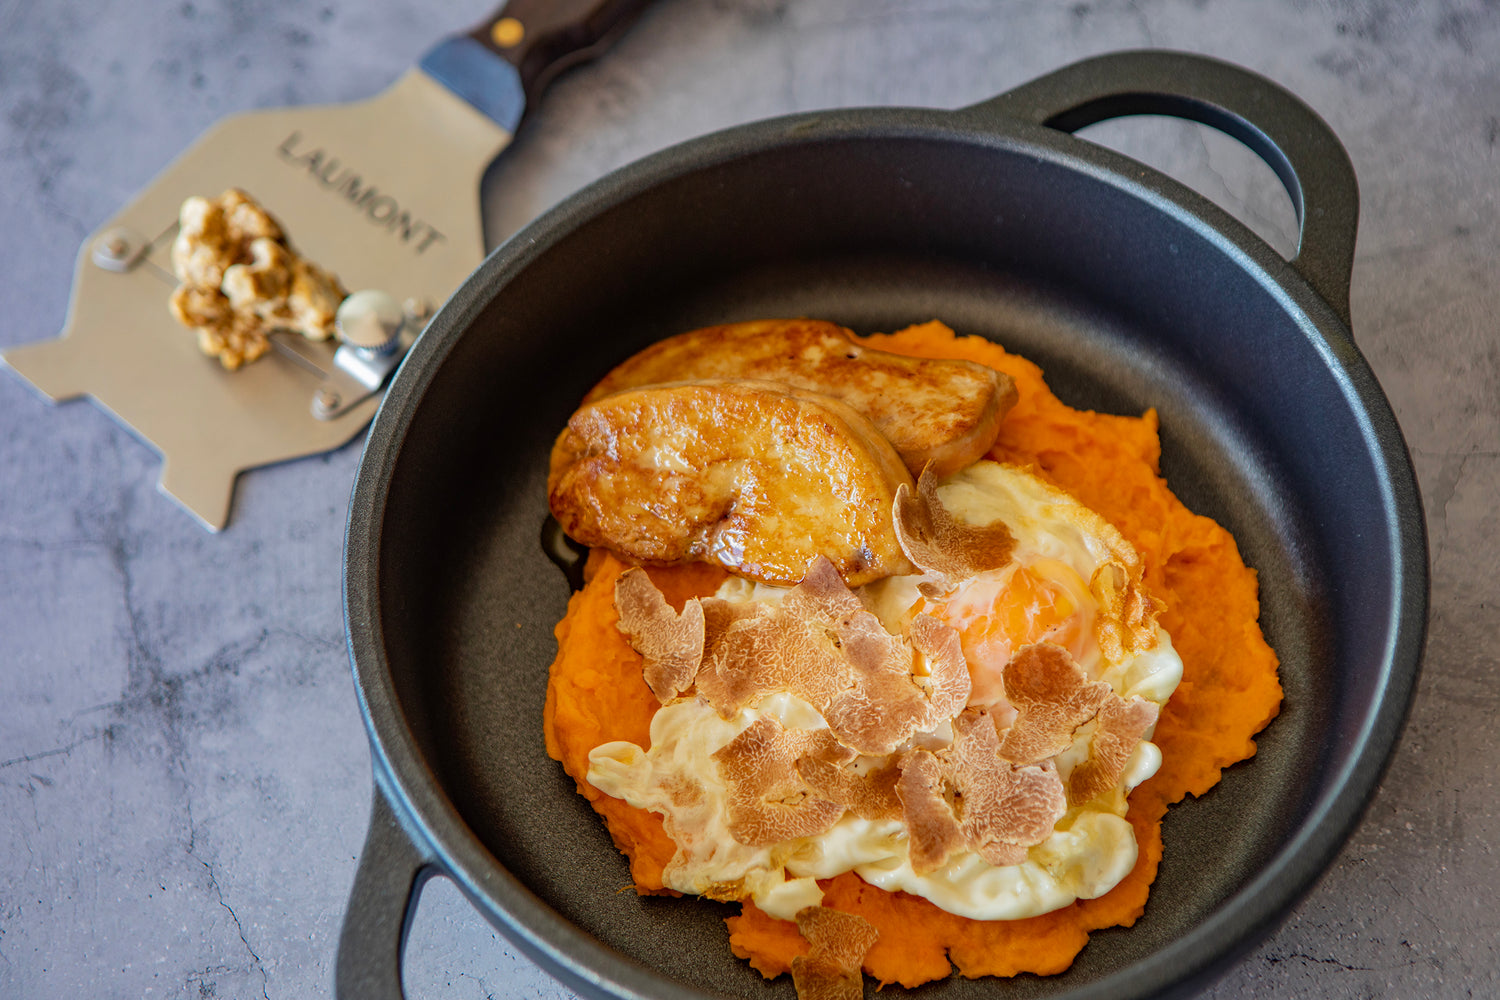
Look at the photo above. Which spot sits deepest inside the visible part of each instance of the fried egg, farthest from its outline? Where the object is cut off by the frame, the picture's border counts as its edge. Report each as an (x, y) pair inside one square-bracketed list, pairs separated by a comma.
[(1068, 580), (1048, 591)]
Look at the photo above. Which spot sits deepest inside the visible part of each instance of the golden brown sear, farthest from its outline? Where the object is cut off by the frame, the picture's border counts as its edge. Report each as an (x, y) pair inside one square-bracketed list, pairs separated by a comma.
[(754, 476), (944, 412)]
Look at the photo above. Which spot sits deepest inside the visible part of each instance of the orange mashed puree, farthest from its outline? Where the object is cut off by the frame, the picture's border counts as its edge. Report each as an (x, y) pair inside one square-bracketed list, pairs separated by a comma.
[(1229, 690)]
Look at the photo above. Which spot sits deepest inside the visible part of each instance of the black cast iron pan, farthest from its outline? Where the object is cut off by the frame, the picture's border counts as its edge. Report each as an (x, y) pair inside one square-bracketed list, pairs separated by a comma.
[(1128, 289)]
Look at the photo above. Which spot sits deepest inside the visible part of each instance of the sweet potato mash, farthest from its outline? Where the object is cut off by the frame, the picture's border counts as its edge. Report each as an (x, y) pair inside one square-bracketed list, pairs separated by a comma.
[(1229, 690)]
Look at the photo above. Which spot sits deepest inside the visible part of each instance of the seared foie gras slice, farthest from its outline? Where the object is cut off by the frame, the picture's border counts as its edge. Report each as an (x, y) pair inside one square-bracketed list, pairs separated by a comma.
[(757, 477), (944, 412)]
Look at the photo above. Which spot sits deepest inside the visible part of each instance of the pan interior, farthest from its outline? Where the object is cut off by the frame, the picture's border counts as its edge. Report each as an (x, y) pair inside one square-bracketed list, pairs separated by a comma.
[(1124, 307)]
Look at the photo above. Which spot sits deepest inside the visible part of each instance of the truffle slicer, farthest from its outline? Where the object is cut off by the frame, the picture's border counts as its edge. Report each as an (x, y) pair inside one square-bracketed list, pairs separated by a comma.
[(384, 193)]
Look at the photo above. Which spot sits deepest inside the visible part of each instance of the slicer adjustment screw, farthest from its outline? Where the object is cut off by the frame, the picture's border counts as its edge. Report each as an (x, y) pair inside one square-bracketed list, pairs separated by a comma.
[(370, 321), (373, 337), (118, 249)]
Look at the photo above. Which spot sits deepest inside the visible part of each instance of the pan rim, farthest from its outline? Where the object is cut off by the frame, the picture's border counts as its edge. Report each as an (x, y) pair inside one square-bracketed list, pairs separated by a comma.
[(588, 965)]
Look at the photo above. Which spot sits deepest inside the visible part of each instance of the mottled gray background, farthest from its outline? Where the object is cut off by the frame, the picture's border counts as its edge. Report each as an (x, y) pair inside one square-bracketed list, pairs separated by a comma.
[(184, 779)]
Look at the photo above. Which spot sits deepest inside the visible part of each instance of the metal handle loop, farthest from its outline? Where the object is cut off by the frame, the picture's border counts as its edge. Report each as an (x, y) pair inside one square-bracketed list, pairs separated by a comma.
[(1298, 145), (392, 870)]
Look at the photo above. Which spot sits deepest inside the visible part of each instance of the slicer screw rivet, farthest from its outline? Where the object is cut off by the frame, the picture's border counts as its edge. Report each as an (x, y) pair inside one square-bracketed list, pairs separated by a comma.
[(328, 399), (118, 249)]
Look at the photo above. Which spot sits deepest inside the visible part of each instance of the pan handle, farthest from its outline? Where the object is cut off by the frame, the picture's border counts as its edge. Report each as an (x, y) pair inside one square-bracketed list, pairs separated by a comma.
[(1273, 122), (504, 64), (541, 38), (392, 870)]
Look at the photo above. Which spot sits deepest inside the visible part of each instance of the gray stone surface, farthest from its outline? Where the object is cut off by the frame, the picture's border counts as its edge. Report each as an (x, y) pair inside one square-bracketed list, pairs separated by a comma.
[(184, 780)]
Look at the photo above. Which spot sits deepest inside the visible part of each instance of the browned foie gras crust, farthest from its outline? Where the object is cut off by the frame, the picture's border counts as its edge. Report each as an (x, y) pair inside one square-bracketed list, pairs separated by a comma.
[(753, 476), (946, 412), (831, 968)]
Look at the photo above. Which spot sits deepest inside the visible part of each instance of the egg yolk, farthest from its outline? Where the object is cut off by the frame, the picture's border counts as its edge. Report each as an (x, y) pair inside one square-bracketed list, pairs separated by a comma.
[(1045, 601)]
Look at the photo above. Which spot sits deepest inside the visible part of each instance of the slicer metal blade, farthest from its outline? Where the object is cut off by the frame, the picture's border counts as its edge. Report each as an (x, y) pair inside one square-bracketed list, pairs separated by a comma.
[(384, 193)]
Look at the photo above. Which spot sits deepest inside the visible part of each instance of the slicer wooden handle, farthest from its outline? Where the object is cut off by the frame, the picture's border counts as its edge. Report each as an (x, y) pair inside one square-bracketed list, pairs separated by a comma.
[(541, 38)]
